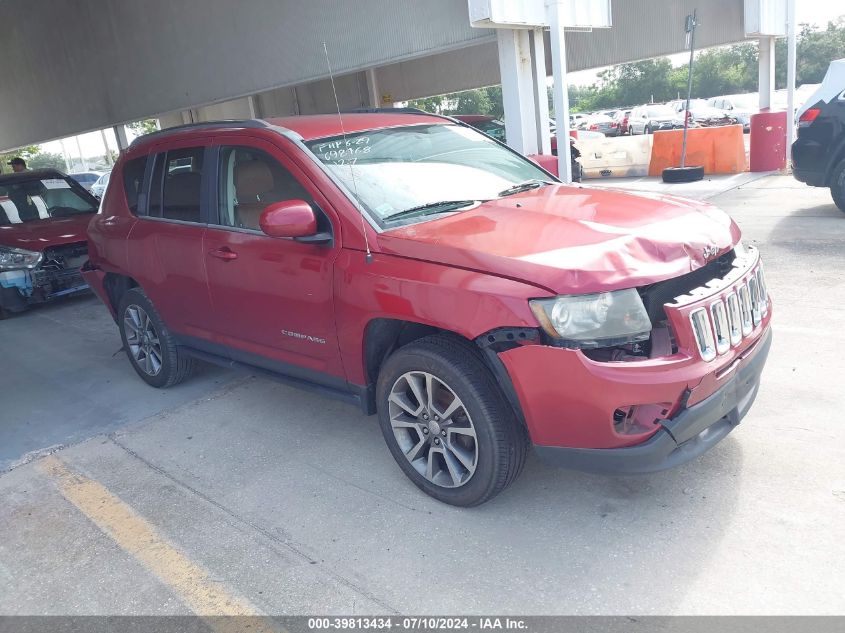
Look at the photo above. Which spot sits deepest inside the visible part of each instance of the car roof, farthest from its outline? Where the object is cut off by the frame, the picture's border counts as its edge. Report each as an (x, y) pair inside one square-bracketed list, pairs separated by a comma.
[(30, 174), (309, 127)]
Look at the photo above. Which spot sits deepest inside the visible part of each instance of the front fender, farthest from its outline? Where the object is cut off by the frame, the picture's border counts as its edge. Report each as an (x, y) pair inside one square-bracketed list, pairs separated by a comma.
[(457, 300)]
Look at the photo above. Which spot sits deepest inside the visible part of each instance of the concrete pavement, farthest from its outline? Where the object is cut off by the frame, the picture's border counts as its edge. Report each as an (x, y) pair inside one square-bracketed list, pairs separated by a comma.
[(279, 502)]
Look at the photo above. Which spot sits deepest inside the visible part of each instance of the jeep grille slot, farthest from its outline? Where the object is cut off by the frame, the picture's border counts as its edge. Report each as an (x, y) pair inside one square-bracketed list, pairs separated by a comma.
[(733, 315)]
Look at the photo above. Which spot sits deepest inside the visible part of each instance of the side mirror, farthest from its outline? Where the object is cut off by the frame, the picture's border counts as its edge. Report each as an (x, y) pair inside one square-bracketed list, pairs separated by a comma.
[(293, 219)]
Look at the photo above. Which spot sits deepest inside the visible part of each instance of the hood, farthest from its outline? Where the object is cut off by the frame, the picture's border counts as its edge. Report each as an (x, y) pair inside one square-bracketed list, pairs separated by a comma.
[(41, 234), (573, 239)]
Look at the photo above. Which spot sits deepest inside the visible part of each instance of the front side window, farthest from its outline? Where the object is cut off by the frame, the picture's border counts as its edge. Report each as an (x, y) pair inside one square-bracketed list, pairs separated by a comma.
[(396, 170), (42, 198), (175, 190), (250, 180)]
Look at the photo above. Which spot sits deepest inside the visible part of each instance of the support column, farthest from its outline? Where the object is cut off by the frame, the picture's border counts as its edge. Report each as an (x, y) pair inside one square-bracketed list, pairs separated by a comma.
[(555, 10), (252, 105), (373, 88), (107, 155), (766, 71), (518, 90), (541, 98), (790, 78), (120, 137)]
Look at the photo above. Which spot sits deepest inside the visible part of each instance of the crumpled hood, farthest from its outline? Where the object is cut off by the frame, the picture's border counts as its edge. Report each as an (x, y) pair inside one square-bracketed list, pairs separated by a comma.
[(41, 234), (570, 239)]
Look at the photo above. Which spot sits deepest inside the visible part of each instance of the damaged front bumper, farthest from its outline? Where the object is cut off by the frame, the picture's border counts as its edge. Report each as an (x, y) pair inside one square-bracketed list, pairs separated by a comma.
[(58, 275), (688, 434)]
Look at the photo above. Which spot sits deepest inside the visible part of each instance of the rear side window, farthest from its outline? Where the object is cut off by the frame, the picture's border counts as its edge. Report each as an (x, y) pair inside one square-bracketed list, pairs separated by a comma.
[(133, 181), (176, 186)]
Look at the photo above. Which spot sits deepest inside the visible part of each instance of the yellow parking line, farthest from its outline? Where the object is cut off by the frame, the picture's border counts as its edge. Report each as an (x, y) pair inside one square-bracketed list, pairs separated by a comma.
[(138, 537)]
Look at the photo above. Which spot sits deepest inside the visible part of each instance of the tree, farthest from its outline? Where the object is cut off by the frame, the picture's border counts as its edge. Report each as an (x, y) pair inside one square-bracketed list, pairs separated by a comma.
[(815, 49), (144, 126), (46, 160), (429, 104)]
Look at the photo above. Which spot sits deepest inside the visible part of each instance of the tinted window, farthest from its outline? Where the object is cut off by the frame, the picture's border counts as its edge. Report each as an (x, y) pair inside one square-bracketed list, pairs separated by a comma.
[(133, 181), (177, 184), (249, 181)]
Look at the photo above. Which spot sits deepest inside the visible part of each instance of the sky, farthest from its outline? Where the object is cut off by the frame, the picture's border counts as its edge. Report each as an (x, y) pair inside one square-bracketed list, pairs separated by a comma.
[(813, 11)]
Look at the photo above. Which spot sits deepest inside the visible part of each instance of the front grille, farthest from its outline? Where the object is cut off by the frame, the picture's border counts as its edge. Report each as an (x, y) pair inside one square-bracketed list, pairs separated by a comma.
[(726, 312), (58, 273)]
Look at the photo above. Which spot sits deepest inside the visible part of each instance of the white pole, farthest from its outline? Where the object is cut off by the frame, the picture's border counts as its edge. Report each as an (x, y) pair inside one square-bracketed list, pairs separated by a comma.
[(790, 76), (766, 71), (64, 155), (555, 10), (107, 154), (541, 97), (81, 157)]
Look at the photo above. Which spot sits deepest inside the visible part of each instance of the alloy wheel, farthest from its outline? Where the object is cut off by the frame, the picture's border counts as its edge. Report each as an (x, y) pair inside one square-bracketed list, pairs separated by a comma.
[(142, 340), (433, 429)]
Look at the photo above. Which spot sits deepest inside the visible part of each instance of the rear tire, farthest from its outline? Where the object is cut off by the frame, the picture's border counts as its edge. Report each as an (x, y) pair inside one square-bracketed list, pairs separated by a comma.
[(837, 185), (150, 346), (441, 381)]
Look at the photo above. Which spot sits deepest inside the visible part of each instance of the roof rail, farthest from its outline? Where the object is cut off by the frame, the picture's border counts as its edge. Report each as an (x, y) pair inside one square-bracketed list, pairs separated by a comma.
[(251, 123)]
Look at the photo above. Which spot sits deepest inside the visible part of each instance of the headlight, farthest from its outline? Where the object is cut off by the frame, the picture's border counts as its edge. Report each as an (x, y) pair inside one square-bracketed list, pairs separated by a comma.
[(594, 320), (18, 258)]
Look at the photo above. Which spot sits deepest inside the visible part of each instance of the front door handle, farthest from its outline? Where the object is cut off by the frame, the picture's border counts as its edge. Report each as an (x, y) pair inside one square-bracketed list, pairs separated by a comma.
[(224, 253)]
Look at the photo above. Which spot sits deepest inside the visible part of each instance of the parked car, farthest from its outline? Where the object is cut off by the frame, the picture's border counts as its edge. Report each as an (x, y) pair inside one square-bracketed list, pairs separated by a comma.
[(43, 217), (433, 276), (701, 114), (86, 178), (99, 186), (741, 107), (621, 118), (602, 123), (818, 154), (575, 120), (647, 119)]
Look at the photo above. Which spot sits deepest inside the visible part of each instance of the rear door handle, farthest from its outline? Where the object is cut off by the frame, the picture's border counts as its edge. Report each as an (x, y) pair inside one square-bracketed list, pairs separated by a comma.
[(224, 253)]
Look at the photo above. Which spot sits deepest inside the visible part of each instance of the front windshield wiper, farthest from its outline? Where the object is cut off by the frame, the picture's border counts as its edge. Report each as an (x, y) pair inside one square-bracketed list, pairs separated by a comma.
[(534, 183), (430, 208)]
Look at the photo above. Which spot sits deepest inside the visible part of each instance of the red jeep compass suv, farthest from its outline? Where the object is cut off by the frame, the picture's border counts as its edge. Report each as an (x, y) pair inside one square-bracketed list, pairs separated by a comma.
[(426, 272)]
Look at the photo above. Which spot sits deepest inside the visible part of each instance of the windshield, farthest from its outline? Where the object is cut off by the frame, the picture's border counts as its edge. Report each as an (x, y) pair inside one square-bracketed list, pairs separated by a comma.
[(661, 111), (402, 168), (39, 199)]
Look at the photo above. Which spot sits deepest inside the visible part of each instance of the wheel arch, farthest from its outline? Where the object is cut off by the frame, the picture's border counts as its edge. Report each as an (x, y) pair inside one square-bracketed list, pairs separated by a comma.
[(384, 336), (116, 285)]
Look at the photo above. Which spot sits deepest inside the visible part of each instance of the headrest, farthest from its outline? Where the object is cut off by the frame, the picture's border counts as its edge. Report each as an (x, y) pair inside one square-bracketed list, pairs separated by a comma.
[(183, 189), (252, 179)]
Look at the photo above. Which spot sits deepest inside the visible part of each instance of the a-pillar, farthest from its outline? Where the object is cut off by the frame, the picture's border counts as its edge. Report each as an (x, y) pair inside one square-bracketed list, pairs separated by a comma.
[(518, 93)]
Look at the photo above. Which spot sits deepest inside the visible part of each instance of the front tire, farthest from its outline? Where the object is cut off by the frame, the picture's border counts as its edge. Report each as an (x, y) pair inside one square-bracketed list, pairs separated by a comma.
[(837, 185), (150, 346), (447, 423)]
